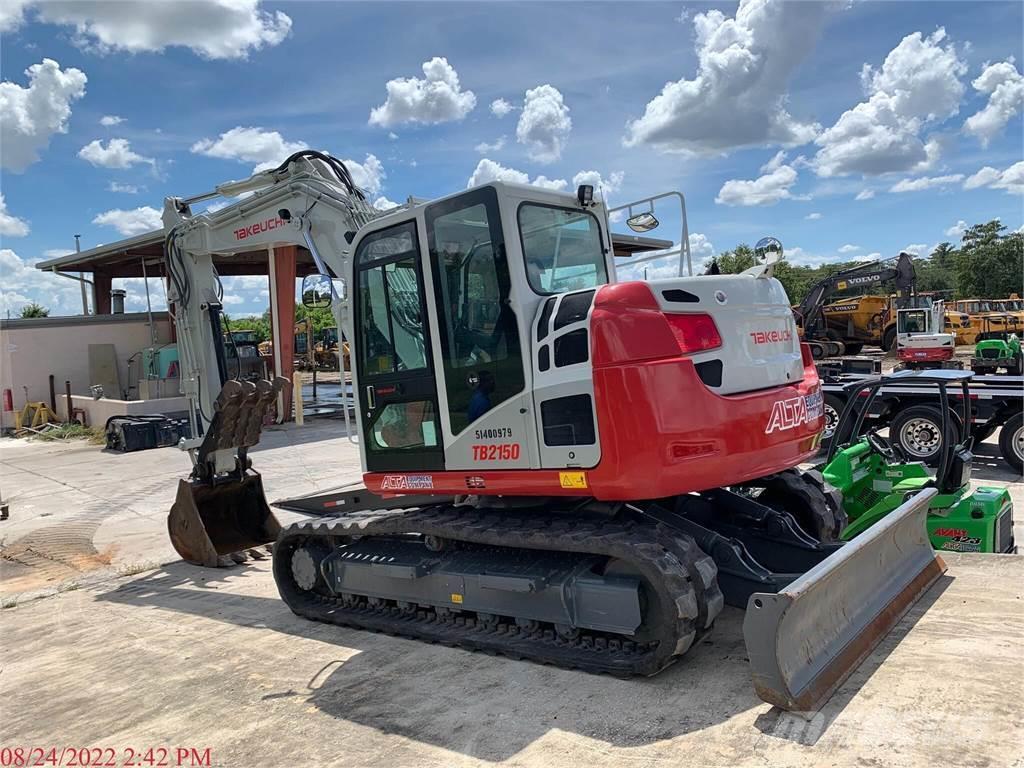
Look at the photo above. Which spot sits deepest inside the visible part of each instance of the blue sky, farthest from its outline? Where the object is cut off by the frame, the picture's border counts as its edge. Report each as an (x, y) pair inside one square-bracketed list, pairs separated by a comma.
[(771, 118)]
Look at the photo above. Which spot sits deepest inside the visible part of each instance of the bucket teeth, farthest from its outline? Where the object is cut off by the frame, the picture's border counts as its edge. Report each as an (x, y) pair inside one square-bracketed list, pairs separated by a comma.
[(239, 413)]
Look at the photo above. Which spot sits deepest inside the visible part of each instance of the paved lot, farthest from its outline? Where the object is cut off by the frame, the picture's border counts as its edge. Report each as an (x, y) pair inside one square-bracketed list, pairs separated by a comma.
[(168, 655)]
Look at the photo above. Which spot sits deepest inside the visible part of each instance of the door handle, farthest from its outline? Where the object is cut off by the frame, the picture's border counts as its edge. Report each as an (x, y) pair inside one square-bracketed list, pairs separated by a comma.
[(371, 398)]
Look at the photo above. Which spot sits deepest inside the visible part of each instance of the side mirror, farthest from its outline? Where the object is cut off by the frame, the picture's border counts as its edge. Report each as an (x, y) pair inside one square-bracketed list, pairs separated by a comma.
[(768, 250), (316, 291), (642, 222)]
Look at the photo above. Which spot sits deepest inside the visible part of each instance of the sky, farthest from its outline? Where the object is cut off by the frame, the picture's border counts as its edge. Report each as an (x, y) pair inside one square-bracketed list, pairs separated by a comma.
[(846, 129)]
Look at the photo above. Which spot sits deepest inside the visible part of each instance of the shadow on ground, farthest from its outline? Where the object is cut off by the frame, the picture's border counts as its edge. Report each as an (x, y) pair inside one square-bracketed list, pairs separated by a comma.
[(491, 708)]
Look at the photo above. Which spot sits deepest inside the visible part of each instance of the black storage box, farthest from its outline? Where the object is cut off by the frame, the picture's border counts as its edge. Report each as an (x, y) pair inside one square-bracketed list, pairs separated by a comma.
[(138, 432)]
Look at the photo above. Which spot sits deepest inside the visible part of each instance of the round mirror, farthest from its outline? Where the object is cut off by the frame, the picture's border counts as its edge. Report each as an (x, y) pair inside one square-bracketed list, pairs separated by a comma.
[(642, 222), (768, 250), (316, 291)]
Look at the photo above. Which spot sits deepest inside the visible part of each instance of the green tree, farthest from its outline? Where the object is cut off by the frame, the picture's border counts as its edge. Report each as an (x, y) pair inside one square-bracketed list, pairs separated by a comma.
[(34, 310), (990, 264)]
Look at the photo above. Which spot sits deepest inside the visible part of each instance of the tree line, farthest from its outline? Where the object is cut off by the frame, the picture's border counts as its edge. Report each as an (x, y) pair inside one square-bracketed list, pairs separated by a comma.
[(988, 264)]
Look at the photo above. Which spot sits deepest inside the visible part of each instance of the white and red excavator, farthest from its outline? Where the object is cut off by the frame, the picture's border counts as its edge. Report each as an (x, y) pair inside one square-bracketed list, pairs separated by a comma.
[(558, 465)]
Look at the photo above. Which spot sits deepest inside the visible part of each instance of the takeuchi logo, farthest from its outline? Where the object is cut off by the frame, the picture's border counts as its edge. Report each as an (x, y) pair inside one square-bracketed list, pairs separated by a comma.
[(258, 228), (771, 337)]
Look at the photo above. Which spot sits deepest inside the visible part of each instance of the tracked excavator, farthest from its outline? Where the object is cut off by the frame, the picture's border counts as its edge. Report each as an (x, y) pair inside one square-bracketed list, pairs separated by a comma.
[(559, 466)]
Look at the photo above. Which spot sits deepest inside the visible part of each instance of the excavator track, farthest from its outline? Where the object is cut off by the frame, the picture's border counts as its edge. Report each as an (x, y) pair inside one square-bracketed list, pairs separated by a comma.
[(681, 593)]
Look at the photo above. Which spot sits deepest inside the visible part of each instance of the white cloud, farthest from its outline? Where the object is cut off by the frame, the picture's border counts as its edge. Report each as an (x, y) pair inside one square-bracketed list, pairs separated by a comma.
[(392, 135), (765, 190), (12, 14), (1012, 179), (133, 222), (1004, 86), (544, 124), (231, 298), (383, 204), (873, 256), (483, 147), (604, 188), (30, 116), (11, 226), (22, 284), (813, 216), (865, 194), (500, 107), (700, 246), (957, 229), (556, 184), (249, 145), (487, 170), (738, 96), (214, 29), (437, 98), (918, 84), (925, 182), (917, 249), (109, 120), (128, 189), (56, 253), (117, 154), (982, 178), (368, 175), (848, 248)]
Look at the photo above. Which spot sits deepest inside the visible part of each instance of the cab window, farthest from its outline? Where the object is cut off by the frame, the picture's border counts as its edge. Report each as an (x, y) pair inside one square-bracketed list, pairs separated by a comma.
[(562, 248), (479, 335)]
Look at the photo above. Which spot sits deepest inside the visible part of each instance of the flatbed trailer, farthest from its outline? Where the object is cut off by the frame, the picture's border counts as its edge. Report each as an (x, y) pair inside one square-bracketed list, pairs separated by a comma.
[(911, 413)]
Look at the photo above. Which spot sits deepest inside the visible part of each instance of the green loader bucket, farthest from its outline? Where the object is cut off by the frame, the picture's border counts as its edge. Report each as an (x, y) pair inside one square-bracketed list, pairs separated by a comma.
[(804, 641), (210, 522)]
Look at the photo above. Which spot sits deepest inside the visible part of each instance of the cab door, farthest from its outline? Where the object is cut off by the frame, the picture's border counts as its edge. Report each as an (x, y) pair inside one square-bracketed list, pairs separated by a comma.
[(397, 388)]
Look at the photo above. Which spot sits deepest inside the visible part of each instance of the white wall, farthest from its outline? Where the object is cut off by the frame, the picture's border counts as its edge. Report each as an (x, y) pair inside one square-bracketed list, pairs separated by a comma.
[(32, 349)]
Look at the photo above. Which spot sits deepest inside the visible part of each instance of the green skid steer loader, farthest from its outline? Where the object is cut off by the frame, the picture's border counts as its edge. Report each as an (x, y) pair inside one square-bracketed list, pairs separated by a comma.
[(875, 477)]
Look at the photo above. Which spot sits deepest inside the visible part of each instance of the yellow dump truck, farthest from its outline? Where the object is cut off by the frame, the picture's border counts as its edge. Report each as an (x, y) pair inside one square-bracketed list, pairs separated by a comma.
[(860, 320), (985, 316)]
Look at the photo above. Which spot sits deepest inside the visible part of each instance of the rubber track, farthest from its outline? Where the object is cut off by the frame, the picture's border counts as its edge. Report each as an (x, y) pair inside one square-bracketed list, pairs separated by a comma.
[(687, 600), (809, 492)]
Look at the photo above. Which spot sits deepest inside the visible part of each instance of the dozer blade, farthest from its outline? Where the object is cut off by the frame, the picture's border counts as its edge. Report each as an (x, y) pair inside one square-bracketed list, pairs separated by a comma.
[(804, 641), (208, 522)]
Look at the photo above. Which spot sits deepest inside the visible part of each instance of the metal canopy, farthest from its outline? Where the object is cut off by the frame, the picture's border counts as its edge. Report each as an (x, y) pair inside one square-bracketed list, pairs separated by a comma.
[(124, 257)]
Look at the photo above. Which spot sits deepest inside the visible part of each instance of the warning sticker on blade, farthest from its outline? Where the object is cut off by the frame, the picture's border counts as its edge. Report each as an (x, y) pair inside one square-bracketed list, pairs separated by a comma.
[(794, 411), (572, 479), (407, 482)]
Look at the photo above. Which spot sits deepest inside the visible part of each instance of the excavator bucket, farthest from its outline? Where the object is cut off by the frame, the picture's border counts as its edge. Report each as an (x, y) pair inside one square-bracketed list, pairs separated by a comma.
[(804, 641), (215, 519), (210, 523)]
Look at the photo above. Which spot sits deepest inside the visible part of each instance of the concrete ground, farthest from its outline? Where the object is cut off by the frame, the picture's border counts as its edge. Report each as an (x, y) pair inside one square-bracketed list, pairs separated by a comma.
[(128, 648)]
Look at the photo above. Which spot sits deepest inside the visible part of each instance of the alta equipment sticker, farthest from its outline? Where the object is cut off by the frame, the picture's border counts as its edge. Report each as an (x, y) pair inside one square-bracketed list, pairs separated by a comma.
[(573, 479), (794, 411), (407, 482)]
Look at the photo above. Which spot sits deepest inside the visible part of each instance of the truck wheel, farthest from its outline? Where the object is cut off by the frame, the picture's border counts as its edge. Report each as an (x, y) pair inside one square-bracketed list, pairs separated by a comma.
[(889, 339), (1016, 368), (918, 431), (1011, 441), (833, 409)]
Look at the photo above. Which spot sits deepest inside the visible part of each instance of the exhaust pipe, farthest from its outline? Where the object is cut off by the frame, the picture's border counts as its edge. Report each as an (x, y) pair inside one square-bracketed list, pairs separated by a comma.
[(804, 641)]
